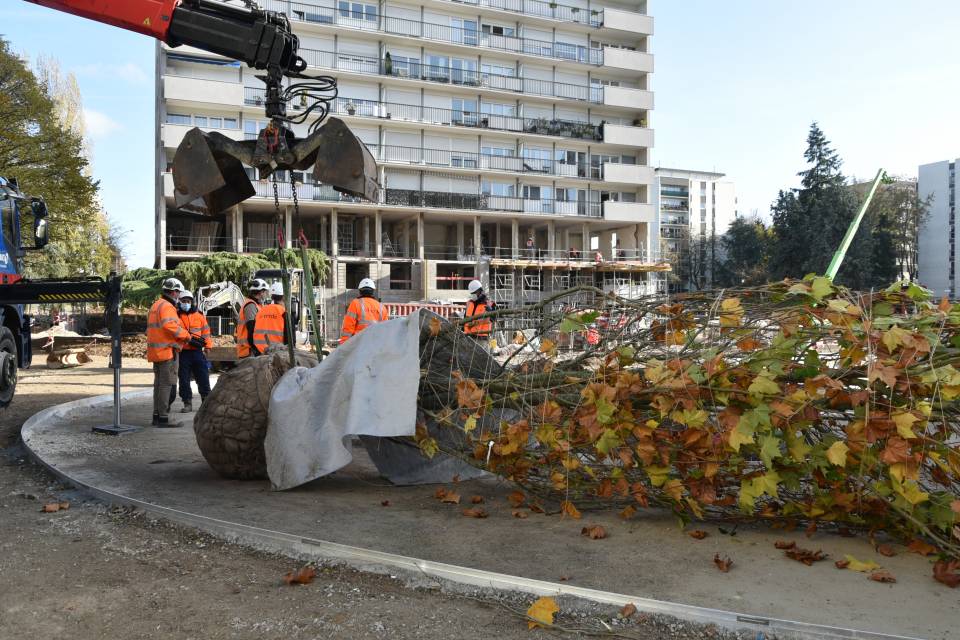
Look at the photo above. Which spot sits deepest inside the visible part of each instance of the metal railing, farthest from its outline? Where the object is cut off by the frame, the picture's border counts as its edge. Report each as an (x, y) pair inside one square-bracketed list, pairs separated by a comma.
[(466, 35), (487, 202), (482, 161), (458, 117), (198, 244), (450, 75), (315, 192), (543, 9)]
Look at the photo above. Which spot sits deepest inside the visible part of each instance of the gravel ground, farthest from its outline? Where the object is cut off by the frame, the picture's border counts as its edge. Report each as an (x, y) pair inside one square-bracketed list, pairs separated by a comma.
[(96, 571)]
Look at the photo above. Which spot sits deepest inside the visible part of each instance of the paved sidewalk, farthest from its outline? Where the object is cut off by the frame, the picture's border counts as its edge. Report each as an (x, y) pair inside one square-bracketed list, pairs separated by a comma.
[(647, 556)]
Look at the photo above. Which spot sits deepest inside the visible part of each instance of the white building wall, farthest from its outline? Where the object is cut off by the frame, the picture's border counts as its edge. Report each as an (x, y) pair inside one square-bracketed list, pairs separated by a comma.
[(938, 271)]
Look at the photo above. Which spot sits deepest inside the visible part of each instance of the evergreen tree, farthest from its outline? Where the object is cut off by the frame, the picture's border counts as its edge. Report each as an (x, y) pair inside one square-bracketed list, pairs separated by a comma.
[(746, 250)]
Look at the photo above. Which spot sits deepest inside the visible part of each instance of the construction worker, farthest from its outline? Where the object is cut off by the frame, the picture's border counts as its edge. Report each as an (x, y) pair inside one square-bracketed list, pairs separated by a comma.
[(270, 325), (476, 306), (165, 337), (256, 291), (193, 362), (363, 311)]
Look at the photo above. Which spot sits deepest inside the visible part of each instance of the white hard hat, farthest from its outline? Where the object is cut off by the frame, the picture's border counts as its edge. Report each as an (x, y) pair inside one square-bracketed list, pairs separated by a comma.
[(276, 289), (367, 283), (474, 286), (172, 284), (258, 285), (186, 293)]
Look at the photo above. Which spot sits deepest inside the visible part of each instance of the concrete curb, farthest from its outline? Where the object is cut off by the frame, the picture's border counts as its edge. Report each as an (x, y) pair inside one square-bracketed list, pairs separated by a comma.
[(382, 562)]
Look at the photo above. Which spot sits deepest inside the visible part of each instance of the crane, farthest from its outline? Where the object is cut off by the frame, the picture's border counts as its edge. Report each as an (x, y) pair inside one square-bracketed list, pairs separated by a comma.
[(208, 166)]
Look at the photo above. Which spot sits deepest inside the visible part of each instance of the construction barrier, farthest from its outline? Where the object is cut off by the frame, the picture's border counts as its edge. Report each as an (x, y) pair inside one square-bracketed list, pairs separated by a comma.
[(402, 309)]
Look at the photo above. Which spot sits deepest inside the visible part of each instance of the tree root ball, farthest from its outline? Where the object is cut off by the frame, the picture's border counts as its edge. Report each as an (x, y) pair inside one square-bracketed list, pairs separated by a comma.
[(232, 422)]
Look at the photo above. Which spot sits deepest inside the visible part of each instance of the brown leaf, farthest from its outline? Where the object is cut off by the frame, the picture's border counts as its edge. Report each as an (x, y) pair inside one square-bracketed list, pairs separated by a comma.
[(841, 564), (697, 534), (947, 572), (882, 576), (455, 479), (628, 512), (53, 507), (921, 547), (516, 498), (722, 564), (810, 530), (594, 532), (628, 610), (564, 578), (475, 512), (944, 305), (567, 509), (440, 493), (519, 514), (476, 500), (435, 325), (64, 506), (805, 556), (886, 550), (303, 576), (536, 508), (784, 544), (451, 497), (385, 503)]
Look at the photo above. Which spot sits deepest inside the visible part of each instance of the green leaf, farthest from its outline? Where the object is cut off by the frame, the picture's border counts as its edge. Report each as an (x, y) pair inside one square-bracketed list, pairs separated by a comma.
[(769, 449), (428, 447), (762, 385), (608, 441), (658, 475), (605, 410), (470, 423), (820, 288)]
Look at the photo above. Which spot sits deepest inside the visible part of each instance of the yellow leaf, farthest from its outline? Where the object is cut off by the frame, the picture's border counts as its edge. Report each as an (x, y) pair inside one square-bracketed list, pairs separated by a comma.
[(674, 489), (837, 453), (547, 346), (858, 565), (567, 508), (470, 423), (904, 422), (763, 385), (911, 492), (542, 612), (658, 475), (570, 463), (731, 313), (893, 338)]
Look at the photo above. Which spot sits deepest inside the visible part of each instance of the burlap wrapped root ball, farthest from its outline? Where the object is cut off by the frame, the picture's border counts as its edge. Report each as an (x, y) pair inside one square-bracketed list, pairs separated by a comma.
[(232, 422)]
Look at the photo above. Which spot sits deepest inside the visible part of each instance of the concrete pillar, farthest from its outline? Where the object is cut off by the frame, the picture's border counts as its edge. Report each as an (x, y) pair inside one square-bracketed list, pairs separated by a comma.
[(514, 239), (551, 239), (334, 241), (566, 239), (586, 238), (461, 249), (407, 249), (238, 229), (288, 227), (476, 237), (378, 233), (420, 237), (366, 235)]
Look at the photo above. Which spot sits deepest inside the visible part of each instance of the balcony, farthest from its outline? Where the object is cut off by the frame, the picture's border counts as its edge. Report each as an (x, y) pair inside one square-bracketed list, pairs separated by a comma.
[(470, 37), (542, 9), (626, 97), (194, 90), (392, 154), (628, 21), (637, 61), (631, 212), (628, 136), (627, 173), (485, 202), (197, 244), (172, 134)]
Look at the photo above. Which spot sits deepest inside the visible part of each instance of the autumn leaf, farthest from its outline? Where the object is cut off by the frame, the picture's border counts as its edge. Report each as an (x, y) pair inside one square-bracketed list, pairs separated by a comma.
[(567, 509), (904, 422), (784, 544), (303, 576), (723, 564), (476, 500), (805, 556), (897, 450), (886, 550), (385, 503), (628, 610), (947, 572), (857, 565), (435, 325), (628, 512), (594, 532), (516, 498), (542, 612), (64, 506), (52, 507), (731, 312), (697, 534), (451, 497), (919, 546), (516, 513), (475, 512), (837, 453), (882, 576), (440, 493)]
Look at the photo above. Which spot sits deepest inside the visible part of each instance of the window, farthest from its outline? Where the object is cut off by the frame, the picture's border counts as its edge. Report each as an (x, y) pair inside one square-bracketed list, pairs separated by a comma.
[(502, 152), (177, 118), (503, 189), (200, 121), (464, 31), (230, 123), (497, 109), (216, 123), (358, 10), (464, 71), (497, 30), (404, 66), (464, 161), (464, 111), (533, 192), (498, 70)]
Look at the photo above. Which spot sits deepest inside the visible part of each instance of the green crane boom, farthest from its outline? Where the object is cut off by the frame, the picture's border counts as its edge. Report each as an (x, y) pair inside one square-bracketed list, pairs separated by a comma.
[(852, 229)]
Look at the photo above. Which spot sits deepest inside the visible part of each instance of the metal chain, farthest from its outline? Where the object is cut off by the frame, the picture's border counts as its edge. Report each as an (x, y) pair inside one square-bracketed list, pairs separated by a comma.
[(296, 206)]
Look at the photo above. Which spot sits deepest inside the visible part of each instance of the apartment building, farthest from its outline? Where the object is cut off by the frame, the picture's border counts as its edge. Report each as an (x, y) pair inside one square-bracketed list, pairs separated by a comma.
[(694, 208), (936, 245), (513, 139)]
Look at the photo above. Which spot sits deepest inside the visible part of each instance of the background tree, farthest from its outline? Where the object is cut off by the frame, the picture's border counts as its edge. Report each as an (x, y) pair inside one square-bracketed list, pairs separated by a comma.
[(745, 250), (899, 213)]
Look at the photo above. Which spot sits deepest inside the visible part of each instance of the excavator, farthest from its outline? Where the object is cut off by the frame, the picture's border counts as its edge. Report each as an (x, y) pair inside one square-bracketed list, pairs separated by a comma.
[(208, 168)]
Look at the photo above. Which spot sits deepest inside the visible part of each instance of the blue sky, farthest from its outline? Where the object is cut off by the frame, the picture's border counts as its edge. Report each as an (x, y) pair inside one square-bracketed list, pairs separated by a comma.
[(737, 85)]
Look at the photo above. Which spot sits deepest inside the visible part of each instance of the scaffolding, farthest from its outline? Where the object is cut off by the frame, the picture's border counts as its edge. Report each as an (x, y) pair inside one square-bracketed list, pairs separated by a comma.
[(503, 291)]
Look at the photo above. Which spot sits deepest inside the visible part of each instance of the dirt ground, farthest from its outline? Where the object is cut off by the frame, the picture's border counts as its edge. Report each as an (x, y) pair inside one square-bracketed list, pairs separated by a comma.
[(95, 571)]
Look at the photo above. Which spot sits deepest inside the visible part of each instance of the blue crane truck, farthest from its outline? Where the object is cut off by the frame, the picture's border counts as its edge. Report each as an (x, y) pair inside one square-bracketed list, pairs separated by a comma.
[(21, 215)]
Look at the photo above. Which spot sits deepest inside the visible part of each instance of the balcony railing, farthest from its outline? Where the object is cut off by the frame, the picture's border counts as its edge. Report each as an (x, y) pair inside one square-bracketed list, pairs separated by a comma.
[(482, 161), (543, 9), (327, 14), (198, 244), (487, 202), (453, 117), (466, 77)]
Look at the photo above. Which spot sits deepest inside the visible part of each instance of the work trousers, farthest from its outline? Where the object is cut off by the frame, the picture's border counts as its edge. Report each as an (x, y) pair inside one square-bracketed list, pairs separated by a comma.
[(193, 364), (164, 385)]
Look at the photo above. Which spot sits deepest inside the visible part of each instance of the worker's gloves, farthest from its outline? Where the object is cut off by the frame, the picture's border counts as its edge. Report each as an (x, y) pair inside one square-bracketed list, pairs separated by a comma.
[(197, 343)]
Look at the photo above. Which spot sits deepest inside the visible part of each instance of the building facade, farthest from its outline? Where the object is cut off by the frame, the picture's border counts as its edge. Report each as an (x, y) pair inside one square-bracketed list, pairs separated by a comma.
[(694, 208), (513, 139), (936, 245)]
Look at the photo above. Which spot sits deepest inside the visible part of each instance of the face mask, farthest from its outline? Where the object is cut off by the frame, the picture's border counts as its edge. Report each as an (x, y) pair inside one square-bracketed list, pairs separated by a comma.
[(474, 296), (185, 306)]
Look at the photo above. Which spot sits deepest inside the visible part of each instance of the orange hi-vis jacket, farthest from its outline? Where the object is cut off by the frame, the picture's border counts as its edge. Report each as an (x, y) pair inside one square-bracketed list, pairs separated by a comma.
[(164, 331), (269, 327), (196, 325), (361, 313), (480, 328), (240, 336)]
